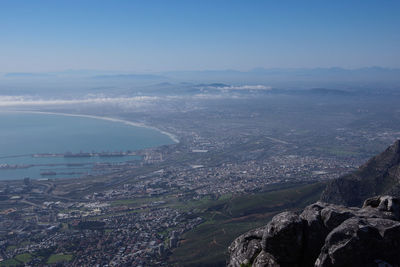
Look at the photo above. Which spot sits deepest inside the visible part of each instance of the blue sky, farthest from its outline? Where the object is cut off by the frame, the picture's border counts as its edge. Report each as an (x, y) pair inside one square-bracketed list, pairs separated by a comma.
[(146, 36)]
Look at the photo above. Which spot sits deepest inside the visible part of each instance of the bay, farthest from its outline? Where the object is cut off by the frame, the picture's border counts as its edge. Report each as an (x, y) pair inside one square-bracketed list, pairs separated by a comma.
[(23, 135)]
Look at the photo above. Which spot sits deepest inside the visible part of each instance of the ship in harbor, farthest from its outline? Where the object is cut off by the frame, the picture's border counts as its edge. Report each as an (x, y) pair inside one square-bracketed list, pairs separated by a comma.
[(112, 154), (82, 155), (48, 173), (78, 155)]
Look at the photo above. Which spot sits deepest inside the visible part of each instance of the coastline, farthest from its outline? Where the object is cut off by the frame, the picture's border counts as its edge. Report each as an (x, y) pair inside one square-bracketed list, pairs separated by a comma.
[(130, 123)]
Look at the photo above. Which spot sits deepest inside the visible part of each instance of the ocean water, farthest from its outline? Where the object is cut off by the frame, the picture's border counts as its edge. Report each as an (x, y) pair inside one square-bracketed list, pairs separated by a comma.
[(23, 135)]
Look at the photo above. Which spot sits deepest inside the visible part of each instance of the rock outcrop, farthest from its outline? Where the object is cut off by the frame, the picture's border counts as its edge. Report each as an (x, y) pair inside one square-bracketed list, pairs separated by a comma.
[(325, 235), (247, 247), (379, 176)]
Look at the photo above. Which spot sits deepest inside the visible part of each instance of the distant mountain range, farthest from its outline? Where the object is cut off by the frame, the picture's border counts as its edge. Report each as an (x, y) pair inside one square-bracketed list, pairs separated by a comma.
[(234, 76), (299, 76), (130, 76), (321, 81)]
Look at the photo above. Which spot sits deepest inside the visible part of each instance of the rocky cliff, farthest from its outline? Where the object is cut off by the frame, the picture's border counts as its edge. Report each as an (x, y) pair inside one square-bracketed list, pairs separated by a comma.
[(379, 176), (325, 235)]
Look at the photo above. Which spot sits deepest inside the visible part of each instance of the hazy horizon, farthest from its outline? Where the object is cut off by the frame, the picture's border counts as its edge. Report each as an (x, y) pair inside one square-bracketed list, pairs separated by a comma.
[(160, 36)]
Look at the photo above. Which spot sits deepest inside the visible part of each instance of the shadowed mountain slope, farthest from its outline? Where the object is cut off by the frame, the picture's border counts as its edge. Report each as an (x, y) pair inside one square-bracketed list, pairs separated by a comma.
[(379, 176)]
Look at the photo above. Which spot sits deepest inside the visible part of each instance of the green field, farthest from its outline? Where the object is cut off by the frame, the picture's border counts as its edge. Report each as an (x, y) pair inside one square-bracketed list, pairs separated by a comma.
[(24, 258), (228, 217), (19, 260), (11, 262), (56, 258)]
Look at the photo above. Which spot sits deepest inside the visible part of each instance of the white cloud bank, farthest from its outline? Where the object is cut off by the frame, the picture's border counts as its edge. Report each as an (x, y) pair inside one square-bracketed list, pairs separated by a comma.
[(247, 87), (238, 87), (11, 101)]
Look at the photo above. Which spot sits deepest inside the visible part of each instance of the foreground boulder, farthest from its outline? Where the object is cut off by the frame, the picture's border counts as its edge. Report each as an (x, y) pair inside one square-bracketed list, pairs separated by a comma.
[(362, 242), (325, 235), (246, 247), (283, 238)]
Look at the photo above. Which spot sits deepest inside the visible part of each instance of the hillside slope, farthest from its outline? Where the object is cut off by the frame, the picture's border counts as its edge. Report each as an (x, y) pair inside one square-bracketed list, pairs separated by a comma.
[(379, 176)]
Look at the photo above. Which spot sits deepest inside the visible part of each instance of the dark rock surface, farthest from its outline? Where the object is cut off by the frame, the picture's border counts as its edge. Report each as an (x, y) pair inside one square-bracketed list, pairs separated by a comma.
[(283, 238), (325, 235), (265, 259), (379, 176), (362, 242), (246, 247)]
